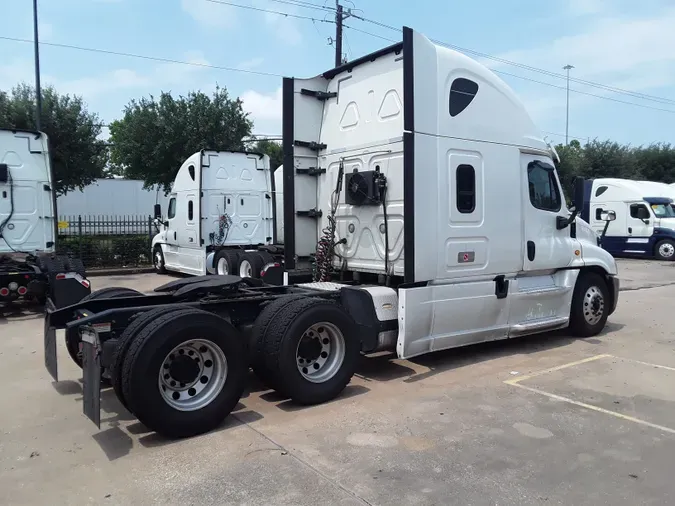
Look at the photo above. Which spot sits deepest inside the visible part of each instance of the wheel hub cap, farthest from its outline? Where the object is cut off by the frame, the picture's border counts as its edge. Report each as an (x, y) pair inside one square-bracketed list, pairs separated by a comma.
[(666, 250), (192, 375), (320, 352), (594, 305), (184, 369)]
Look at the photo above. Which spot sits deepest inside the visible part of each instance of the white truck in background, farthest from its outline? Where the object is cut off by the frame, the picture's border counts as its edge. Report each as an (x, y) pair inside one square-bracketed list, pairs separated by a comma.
[(29, 267), (643, 217), (416, 183), (221, 216)]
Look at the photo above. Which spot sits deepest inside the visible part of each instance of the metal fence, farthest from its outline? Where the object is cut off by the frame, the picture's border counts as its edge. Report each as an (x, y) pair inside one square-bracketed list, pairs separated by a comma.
[(107, 241)]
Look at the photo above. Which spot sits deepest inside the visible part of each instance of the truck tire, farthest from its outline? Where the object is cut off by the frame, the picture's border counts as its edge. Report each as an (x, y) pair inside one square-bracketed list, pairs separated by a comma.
[(158, 260), (73, 336), (180, 385), (665, 250), (226, 262), (257, 343), (251, 263), (590, 305), (125, 340), (311, 350)]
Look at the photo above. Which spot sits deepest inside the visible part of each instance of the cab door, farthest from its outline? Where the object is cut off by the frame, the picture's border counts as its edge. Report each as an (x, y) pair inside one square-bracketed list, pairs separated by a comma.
[(546, 248), (171, 250)]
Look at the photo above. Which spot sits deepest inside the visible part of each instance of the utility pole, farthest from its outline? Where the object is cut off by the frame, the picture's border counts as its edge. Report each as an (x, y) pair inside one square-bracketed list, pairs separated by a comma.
[(567, 118), (38, 91), (339, 18)]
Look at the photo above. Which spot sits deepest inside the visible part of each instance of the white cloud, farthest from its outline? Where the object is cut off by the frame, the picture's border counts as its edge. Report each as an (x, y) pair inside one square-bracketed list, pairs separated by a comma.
[(265, 110), (632, 53), (210, 14)]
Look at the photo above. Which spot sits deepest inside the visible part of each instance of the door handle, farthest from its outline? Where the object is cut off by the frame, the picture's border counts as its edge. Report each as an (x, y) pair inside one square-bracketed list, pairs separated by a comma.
[(630, 230), (531, 250), (174, 236)]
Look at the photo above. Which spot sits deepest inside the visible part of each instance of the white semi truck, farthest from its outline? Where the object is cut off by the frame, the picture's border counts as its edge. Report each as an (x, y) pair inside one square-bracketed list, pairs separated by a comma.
[(428, 201), (221, 216), (29, 267), (643, 217)]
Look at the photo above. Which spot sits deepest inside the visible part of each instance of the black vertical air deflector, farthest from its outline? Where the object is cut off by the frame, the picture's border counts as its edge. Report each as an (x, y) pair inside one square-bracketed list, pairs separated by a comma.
[(408, 156), (288, 134)]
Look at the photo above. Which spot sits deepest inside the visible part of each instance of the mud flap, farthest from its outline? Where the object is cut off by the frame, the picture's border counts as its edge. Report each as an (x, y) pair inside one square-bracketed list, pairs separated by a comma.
[(91, 374), (51, 361)]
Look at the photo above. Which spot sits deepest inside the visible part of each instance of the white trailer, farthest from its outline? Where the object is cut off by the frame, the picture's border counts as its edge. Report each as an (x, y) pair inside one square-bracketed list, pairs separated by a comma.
[(644, 217), (418, 185)]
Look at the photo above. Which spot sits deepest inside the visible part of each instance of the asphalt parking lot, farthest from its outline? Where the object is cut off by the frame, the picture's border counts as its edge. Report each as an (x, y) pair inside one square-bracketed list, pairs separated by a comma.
[(540, 420)]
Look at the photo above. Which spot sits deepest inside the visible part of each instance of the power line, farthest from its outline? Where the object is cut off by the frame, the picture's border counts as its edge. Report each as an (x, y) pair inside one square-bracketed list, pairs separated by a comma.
[(306, 5), (635, 94), (270, 11), (516, 75), (146, 57)]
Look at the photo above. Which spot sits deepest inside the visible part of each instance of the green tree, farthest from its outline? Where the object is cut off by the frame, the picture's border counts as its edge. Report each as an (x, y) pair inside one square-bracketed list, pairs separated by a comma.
[(656, 163), (78, 156), (155, 137), (272, 149)]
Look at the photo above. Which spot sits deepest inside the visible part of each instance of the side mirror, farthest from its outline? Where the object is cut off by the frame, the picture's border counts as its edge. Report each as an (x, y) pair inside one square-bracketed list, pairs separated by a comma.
[(608, 216), (579, 190), (158, 211), (643, 213)]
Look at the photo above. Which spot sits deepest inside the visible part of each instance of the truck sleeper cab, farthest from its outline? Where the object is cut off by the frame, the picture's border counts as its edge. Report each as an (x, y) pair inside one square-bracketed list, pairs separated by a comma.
[(644, 223), (220, 217), (426, 203)]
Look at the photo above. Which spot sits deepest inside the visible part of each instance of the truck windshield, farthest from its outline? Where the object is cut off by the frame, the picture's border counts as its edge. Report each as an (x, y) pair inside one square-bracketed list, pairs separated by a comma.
[(663, 210)]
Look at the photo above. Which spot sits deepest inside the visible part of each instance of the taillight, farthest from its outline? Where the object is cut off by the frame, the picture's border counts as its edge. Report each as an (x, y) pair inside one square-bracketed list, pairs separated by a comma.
[(22, 290), (4, 291)]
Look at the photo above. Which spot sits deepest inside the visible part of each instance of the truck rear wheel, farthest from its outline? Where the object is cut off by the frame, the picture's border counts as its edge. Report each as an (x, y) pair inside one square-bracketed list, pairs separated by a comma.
[(124, 342), (665, 250), (73, 340), (226, 262), (311, 350), (266, 318), (590, 305), (184, 373), (253, 262)]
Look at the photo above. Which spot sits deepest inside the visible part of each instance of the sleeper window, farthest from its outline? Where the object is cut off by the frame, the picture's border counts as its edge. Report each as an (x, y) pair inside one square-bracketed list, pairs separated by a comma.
[(172, 208), (543, 187), (601, 190), (466, 188), (462, 93)]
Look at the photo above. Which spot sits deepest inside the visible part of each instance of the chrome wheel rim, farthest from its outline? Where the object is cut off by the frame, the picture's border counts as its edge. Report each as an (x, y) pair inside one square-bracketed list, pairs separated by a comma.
[(192, 375), (594, 305), (320, 352), (245, 269), (223, 267), (158, 259), (666, 250)]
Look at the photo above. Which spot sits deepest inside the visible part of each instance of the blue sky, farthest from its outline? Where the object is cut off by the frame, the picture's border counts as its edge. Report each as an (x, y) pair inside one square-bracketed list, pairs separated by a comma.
[(619, 43)]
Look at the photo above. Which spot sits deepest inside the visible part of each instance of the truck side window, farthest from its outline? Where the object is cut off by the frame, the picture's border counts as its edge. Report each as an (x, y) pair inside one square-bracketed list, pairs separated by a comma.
[(543, 187), (635, 210), (466, 188), (190, 210), (172, 208), (601, 190)]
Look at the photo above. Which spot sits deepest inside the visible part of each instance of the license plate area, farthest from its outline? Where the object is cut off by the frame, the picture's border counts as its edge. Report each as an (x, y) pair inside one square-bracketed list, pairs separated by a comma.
[(91, 372)]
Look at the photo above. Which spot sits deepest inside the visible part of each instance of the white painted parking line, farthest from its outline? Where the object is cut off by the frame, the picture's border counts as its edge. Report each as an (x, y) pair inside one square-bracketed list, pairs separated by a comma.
[(517, 382)]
